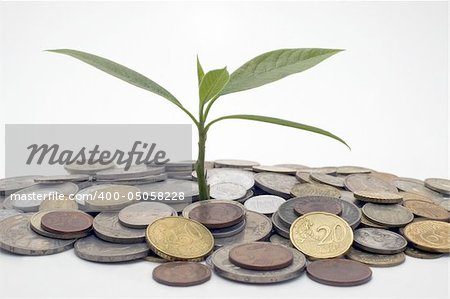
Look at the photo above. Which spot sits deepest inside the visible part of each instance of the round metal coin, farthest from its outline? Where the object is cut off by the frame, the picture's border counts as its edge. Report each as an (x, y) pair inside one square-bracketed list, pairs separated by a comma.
[(368, 182), (439, 185), (181, 274), (275, 169), (275, 183), (339, 272), (14, 184), (317, 189), (317, 204), (141, 214), (420, 254), (388, 215), (64, 203), (111, 198), (381, 197), (328, 179), (66, 222), (108, 228), (376, 260), (264, 204), (379, 240), (5, 213), (217, 214), (35, 224), (235, 163), (227, 191), (429, 235), (427, 210)]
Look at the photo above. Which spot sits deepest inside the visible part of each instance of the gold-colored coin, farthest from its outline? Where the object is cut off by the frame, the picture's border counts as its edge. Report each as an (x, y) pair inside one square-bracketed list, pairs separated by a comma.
[(179, 239), (321, 235), (429, 235), (378, 196)]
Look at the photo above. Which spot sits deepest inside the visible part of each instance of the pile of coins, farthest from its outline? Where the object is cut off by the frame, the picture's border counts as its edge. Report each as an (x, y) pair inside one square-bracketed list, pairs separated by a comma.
[(262, 224)]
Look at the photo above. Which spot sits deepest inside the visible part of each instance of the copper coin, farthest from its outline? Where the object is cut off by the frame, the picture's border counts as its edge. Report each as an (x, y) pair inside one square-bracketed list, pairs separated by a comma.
[(261, 256), (427, 210), (181, 274), (318, 204), (217, 215), (339, 272), (66, 222)]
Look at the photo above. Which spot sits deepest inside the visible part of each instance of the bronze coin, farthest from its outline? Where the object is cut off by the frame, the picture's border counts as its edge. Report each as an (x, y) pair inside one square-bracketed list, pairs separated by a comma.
[(217, 215), (427, 210), (181, 274), (261, 256), (339, 272), (368, 182), (66, 222), (318, 204)]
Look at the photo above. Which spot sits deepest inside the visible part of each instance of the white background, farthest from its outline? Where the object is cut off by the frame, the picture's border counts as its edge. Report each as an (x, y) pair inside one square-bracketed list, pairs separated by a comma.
[(386, 95)]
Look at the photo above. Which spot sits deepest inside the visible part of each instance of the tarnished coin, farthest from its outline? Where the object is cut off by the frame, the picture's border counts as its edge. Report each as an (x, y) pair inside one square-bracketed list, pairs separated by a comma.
[(141, 214), (179, 238), (304, 177), (111, 198), (17, 237), (217, 214), (381, 197), (438, 185), (181, 274), (300, 190), (63, 203), (326, 170), (420, 254), (388, 177), (445, 204), (279, 226), (317, 204), (95, 250), (14, 184), (87, 167), (35, 225), (321, 235), (365, 222), (257, 228), (348, 196), (347, 170), (275, 169), (5, 213), (108, 228), (429, 235), (229, 231), (58, 179), (350, 213), (261, 256), (427, 210), (379, 241), (339, 272), (376, 260), (388, 215), (233, 163), (227, 191), (416, 187), (135, 171), (412, 196), (171, 189), (226, 269), (275, 183), (187, 210), (328, 179), (278, 239), (264, 204), (66, 222), (368, 182)]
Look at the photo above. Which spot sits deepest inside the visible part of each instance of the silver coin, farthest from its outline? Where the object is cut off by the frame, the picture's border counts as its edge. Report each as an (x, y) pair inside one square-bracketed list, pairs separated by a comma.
[(264, 204), (229, 175), (108, 228), (350, 213), (379, 240), (328, 179), (326, 170), (55, 179), (350, 197), (29, 199), (279, 227), (368, 182), (141, 214), (376, 260), (134, 171), (445, 204), (420, 254), (257, 228), (171, 189), (275, 183), (136, 180), (227, 191), (247, 196), (229, 231), (194, 205), (209, 262), (35, 224), (290, 165), (14, 184), (112, 198), (86, 167), (365, 222), (304, 177), (416, 187), (275, 169), (88, 192), (316, 189), (392, 215), (5, 213), (226, 269), (277, 239), (235, 163), (96, 250), (346, 170), (17, 237), (439, 185)]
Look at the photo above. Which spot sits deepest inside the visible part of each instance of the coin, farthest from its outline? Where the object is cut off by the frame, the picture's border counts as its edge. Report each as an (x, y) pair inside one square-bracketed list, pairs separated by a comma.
[(66, 222), (300, 190), (87, 167), (35, 225), (186, 211), (95, 250), (367, 182), (171, 189), (317, 204), (388, 215), (388, 177), (326, 170), (445, 204), (429, 235), (261, 256), (257, 228), (58, 179), (275, 183), (376, 260), (350, 213), (5, 213), (181, 274), (226, 269), (134, 171), (229, 231), (277, 239), (416, 187), (439, 185), (412, 196), (290, 165), (14, 184), (141, 214), (279, 227), (348, 196), (227, 191), (111, 198), (420, 254), (328, 179), (179, 238), (347, 170), (108, 228), (379, 241), (217, 215), (264, 204), (321, 235), (381, 197), (275, 169), (17, 237), (64, 203), (304, 177), (427, 210), (235, 163), (229, 175), (339, 272), (135, 181), (368, 223)]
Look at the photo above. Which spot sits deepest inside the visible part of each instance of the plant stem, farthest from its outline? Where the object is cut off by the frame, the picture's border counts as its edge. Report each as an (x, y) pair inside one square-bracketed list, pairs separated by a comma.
[(200, 167)]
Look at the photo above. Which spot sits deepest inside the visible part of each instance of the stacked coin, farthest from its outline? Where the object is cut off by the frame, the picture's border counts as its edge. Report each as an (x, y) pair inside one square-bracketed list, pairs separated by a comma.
[(180, 170)]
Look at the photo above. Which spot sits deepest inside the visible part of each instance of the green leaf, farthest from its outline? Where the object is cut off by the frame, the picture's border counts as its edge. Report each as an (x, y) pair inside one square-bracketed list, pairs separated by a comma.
[(275, 65), (212, 84), (281, 122), (121, 72), (200, 72)]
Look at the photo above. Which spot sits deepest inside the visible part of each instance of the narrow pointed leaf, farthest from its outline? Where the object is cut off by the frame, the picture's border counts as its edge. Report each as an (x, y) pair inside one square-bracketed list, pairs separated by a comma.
[(275, 65), (212, 84), (120, 71), (200, 72), (281, 122)]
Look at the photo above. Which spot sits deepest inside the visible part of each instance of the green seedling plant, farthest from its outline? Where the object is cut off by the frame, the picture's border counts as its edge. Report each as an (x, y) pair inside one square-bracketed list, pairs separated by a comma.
[(261, 70)]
